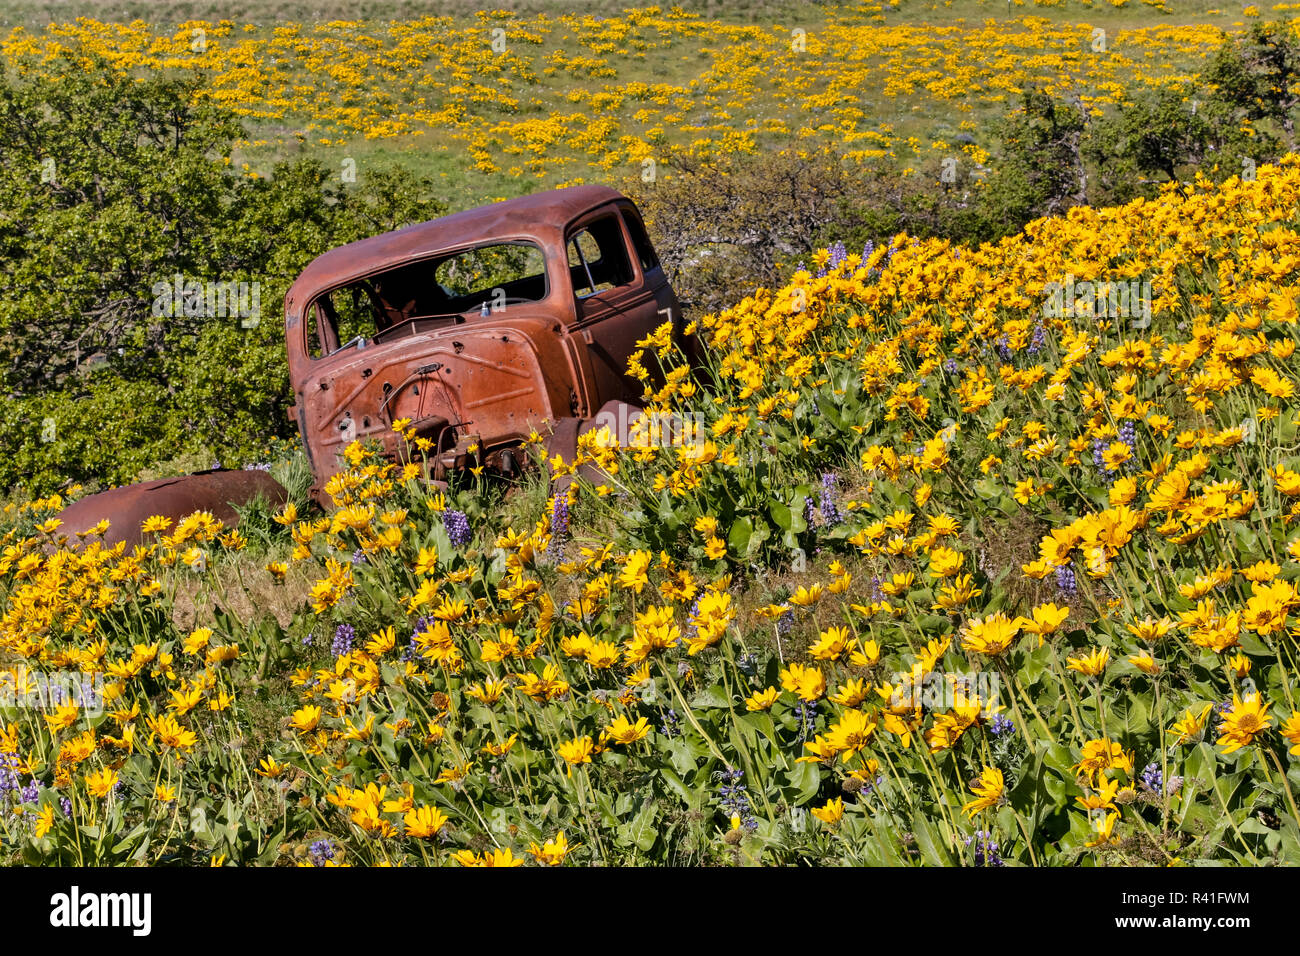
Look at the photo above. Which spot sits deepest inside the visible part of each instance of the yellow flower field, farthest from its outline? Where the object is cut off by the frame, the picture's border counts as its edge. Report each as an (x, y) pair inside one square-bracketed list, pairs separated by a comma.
[(570, 98), (985, 556)]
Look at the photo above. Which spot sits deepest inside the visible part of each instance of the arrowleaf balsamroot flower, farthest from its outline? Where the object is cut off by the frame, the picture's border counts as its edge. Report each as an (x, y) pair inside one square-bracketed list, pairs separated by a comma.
[(101, 782), (1291, 731), (577, 751), (552, 852), (1144, 662), (991, 635), (987, 788), (424, 822), (831, 813), (1245, 720), (851, 733), (306, 718), (762, 700), (1092, 664), (1191, 725), (1102, 754), (1047, 619), (808, 683), (623, 731)]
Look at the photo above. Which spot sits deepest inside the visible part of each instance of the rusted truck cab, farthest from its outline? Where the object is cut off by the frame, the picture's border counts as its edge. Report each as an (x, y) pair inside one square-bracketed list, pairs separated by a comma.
[(478, 328)]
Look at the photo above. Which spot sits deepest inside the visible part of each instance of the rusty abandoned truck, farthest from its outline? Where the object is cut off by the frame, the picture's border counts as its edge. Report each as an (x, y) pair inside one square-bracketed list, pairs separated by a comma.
[(478, 327)]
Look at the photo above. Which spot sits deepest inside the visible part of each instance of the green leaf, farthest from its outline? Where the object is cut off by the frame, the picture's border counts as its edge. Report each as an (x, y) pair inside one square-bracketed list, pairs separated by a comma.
[(641, 831), (929, 842), (124, 844), (711, 697), (760, 721), (681, 755), (738, 540), (674, 783), (805, 781)]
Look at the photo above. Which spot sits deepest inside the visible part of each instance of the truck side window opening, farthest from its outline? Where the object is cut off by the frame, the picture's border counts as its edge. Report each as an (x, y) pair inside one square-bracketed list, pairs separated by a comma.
[(598, 258), (640, 241), (352, 313), (314, 324)]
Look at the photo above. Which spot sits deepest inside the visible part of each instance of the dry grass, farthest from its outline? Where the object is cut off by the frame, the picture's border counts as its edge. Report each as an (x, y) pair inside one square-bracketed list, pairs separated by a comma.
[(248, 591)]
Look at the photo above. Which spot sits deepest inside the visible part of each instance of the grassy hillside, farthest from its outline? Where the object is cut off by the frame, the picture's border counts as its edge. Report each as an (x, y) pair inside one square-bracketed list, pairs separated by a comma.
[(952, 577), (590, 95)]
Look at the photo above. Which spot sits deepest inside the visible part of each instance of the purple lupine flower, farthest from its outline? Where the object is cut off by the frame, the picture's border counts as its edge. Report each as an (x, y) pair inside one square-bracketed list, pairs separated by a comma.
[(784, 623), (91, 699), (359, 557), (409, 652), (1128, 435), (669, 723), (830, 512), (1065, 581), (734, 797), (65, 805), (1004, 352), (457, 525), (321, 852), (838, 256), (1099, 446), (806, 710), (867, 251), (1001, 725), (986, 850), (950, 366), (559, 527), (1152, 777), (810, 512), (1038, 340), (691, 628), (560, 515), (32, 792), (344, 635), (9, 773), (868, 785)]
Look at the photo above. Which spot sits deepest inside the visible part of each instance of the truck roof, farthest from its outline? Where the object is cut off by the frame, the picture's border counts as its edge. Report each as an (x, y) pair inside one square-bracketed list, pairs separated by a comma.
[(539, 216)]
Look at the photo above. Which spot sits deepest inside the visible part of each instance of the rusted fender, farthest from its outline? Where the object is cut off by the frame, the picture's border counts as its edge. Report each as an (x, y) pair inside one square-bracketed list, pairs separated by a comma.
[(127, 508), (618, 416)]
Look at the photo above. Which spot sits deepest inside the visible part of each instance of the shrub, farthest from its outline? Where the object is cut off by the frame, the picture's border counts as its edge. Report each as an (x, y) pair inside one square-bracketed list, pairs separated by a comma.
[(110, 188)]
